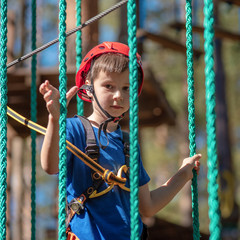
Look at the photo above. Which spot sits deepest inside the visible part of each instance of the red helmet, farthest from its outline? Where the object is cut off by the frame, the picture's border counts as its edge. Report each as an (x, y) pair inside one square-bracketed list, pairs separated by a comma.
[(105, 47)]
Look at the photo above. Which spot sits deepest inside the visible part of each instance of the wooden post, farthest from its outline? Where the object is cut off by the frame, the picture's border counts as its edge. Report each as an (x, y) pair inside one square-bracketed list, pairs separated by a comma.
[(89, 33), (17, 187), (10, 135)]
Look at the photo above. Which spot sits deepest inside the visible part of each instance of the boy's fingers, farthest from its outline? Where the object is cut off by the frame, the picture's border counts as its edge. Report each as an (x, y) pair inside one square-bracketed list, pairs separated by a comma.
[(47, 95), (71, 92), (44, 87), (197, 156)]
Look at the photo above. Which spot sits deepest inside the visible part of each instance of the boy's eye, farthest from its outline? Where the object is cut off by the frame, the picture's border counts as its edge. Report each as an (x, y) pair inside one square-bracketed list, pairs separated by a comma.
[(126, 88), (108, 86)]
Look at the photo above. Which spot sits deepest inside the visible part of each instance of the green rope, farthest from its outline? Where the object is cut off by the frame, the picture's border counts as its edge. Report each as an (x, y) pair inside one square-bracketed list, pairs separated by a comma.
[(79, 51), (3, 120), (133, 119), (213, 201), (62, 120), (34, 119), (191, 116)]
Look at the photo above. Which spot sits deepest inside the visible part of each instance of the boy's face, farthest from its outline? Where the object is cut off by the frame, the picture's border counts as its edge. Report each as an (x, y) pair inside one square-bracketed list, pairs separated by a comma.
[(112, 91)]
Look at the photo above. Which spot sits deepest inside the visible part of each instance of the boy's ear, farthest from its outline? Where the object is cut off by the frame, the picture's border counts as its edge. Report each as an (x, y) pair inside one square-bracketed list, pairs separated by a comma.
[(88, 92)]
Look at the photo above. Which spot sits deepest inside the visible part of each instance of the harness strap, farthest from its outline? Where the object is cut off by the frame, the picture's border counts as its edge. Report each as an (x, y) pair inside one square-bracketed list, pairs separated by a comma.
[(71, 235), (92, 150), (126, 149)]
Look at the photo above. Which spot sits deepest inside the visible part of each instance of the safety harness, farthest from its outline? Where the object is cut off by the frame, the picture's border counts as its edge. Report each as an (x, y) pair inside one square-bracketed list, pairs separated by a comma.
[(92, 150)]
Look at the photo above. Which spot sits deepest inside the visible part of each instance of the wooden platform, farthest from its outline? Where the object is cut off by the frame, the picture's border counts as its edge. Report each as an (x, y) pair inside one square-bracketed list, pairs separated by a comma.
[(219, 32), (164, 230), (235, 2), (166, 42)]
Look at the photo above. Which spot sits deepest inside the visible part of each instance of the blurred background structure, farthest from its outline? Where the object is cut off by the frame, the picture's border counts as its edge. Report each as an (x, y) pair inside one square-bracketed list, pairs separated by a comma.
[(162, 106)]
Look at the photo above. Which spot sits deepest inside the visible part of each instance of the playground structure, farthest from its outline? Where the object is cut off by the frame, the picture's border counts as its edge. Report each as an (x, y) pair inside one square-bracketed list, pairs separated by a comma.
[(162, 106)]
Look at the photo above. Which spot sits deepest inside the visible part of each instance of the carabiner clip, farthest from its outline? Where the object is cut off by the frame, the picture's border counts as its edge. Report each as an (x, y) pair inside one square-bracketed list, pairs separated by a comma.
[(77, 204)]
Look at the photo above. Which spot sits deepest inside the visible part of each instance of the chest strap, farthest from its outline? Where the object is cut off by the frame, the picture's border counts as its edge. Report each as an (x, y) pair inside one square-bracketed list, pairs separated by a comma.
[(92, 150)]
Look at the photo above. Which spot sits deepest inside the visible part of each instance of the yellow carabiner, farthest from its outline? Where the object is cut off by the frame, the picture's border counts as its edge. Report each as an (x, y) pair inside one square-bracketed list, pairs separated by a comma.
[(96, 194), (122, 169)]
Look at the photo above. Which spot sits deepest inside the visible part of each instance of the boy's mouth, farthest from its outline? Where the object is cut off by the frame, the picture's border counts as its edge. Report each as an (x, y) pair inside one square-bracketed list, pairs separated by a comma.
[(116, 106)]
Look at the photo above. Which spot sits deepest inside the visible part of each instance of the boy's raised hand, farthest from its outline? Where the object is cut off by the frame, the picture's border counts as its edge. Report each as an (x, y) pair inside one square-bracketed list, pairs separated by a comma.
[(72, 92), (51, 97)]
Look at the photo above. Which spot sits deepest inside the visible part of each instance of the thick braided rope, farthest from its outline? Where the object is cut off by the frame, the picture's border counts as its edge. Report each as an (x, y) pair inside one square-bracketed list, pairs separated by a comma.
[(34, 119), (62, 120), (191, 115), (213, 201), (79, 50), (133, 121), (3, 120)]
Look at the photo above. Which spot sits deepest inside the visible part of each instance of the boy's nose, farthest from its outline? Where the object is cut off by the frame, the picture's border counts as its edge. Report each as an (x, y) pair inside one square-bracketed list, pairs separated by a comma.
[(117, 94)]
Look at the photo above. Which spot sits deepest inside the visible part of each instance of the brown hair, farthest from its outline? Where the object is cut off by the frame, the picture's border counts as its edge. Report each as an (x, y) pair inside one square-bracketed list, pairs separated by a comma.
[(109, 62)]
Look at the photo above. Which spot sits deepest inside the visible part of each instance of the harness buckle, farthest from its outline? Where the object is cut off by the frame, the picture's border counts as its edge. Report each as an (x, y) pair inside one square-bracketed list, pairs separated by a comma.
[(77, 204), (92, 151)]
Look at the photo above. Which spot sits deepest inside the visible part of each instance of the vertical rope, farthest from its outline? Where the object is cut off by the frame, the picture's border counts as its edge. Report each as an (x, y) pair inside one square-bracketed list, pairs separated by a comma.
[(62, 120), (34, 119), (213, 201), (3, 120), (79, 51), (133, 121), (191, 116)]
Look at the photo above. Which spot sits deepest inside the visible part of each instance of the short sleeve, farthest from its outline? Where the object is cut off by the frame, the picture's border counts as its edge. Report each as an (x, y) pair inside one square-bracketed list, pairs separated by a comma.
[(143, 176)]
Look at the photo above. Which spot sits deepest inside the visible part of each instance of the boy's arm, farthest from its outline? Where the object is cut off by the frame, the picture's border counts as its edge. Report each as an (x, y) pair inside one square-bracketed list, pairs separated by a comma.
[(152, 202), (50, 147)]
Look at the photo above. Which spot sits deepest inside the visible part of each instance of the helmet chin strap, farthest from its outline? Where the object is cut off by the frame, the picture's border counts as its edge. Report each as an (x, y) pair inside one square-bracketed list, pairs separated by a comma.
[(104, 124)]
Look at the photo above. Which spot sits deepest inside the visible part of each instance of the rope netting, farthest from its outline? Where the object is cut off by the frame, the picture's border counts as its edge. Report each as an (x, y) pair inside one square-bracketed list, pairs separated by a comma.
[(133, 119), (213, 200), (3, 120), (80, 109), (191, 116), (214, 210), (62, 121), (34, 119)]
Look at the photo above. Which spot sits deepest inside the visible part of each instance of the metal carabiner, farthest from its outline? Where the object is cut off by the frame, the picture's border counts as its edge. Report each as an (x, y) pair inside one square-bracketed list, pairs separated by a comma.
[(77, 204)]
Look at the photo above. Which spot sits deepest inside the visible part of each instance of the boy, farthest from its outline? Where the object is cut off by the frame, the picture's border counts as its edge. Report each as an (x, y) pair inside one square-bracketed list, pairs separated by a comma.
[(103, 80)]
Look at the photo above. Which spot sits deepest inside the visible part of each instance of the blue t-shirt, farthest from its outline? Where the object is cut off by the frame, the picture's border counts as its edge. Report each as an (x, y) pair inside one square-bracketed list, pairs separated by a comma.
[(107, 216)]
